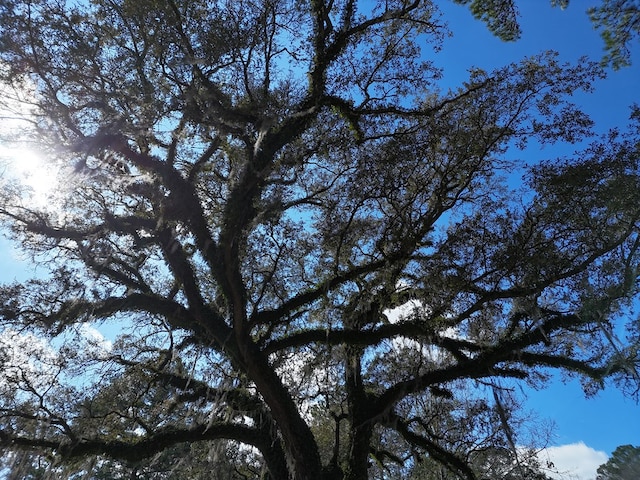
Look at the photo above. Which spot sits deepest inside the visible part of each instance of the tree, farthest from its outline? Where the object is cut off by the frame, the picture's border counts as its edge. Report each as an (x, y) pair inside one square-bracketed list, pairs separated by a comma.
[(619, 22), (251, 189), (623, 464), (489, 464)]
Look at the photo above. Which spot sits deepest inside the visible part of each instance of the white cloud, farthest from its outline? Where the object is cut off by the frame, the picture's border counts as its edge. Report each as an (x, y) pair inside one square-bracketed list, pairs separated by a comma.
[(94, 336), (575, 461), (95, 341), (402, 312), (407, 311)]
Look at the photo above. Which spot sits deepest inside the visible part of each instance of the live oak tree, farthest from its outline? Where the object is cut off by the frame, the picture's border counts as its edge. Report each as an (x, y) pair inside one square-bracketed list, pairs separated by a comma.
[(252, 192), (490, 464)]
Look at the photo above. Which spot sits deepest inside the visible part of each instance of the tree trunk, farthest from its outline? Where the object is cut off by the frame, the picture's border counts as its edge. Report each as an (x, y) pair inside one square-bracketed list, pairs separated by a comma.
[(299, 443), (360, 432)]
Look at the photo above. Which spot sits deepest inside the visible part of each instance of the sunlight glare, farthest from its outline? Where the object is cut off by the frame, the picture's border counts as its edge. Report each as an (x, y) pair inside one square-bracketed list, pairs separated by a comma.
[(26, 167), (20, 163)]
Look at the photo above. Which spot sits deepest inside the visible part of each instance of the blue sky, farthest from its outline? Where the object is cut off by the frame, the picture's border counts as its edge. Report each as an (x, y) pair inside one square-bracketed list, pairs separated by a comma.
[(568, 31), (609, 419)]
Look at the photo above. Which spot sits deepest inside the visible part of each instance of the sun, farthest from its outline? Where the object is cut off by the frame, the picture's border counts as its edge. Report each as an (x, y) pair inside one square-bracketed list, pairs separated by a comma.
[(26, 168), (21, 164)]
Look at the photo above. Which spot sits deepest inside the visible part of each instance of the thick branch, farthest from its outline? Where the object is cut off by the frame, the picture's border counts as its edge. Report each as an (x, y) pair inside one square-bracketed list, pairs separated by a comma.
[(453, 462), (138, 449), (308, 297)]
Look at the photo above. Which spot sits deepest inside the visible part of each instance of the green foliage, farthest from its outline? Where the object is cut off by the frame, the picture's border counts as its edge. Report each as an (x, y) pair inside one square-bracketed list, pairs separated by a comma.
[(501, 16), (619, 22), (624, 464)]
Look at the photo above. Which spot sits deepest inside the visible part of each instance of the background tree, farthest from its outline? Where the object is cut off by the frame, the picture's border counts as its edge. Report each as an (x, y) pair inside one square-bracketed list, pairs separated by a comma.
[(619, 22), (623, 464), (250, 189)]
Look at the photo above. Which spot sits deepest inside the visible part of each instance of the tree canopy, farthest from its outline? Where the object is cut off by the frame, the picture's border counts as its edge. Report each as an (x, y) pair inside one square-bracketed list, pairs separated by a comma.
[(317, 263), (624, 464), (619, 23)]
